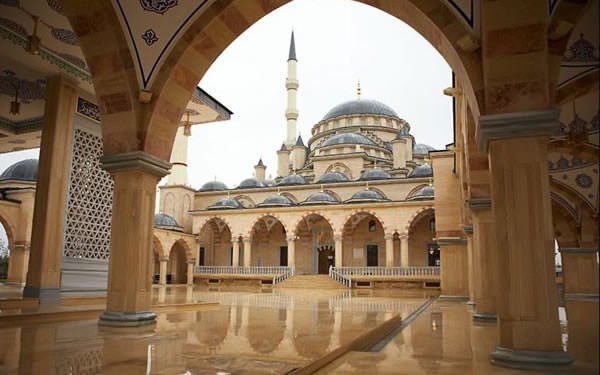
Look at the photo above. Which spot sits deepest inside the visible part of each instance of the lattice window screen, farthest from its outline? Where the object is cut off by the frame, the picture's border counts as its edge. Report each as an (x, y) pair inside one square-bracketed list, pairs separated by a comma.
[(89, 203)]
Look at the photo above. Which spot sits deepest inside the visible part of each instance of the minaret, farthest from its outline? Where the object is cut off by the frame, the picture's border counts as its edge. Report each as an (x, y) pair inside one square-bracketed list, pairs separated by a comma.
[(178, 175), (291, 84), (259, 170)]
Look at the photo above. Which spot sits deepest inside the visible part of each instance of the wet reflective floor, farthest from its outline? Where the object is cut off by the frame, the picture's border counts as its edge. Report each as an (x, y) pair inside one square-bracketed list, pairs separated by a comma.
[(255, 331)]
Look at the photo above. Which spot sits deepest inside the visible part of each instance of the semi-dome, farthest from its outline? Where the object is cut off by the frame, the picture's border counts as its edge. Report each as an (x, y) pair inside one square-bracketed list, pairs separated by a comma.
[(422, 149), (292, 179), (24, 170), (423, 170), (250, 183), (366, 195), (213, 186), (360, 107), (276, 201), (225, 204), (348, 139), (320, 197), (374, 174), (164, 220), (332, 177), (424, 193)]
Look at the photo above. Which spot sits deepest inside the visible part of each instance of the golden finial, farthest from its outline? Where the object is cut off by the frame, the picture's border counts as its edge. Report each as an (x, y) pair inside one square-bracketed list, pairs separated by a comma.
[(228, 195), (321, 188), (367, 185), (279, 191), (430, 182), (358, 90)]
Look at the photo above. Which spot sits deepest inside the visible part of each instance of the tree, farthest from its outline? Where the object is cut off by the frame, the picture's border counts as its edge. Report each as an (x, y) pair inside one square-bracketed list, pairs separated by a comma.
[(3, 259)]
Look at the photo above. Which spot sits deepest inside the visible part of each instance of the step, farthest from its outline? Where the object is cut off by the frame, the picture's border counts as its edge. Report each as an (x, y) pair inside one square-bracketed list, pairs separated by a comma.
[(311, 282)]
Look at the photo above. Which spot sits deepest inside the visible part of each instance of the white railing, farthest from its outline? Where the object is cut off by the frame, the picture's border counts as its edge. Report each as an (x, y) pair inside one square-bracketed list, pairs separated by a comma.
[(408, 272), (229, 270), (342, 279), (284, 276)]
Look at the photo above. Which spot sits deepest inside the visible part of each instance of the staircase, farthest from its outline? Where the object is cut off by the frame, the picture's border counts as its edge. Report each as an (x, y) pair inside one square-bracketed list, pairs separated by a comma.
[(311, 282)]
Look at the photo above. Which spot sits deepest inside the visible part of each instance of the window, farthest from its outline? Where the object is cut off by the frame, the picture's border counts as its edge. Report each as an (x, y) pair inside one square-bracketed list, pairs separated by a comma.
[(372, 226)]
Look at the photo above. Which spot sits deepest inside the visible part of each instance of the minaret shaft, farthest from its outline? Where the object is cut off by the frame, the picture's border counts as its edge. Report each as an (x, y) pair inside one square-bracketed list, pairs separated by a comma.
[(291, 85), (178, 175)]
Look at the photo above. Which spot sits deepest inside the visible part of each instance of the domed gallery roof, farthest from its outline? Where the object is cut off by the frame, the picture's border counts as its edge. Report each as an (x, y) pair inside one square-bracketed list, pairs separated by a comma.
[(225, 204), (422, 149), (360, 107), (347, 138), (366, 195), (292, 179), (332, 177), (164, 220), (423, 170), (276, 201), (213, 186), (24, 170), (250, 183), (374, 174), (424, 193), (320, 197)]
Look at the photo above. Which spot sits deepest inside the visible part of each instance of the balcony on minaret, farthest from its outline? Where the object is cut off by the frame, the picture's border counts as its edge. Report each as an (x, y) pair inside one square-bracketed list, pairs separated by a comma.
[(291, 84)]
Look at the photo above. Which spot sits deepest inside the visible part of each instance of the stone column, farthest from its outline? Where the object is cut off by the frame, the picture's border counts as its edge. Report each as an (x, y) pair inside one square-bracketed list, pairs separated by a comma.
[(338, 250), (484, 259), (235, 255), (162, 271), (389, 250), (291, 248), (527, 300), (43, 276), (404, 256), (247, 251), (190, 271), (468, 229), (17, 266), (130, 267), (454, 272)]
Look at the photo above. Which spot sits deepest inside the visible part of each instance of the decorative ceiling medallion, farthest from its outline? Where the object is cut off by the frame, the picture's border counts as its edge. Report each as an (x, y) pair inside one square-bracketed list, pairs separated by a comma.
[(13, 26), (158, 6), (56, 6), (150, 37), (65, 36), (581, 51), (583, 181)]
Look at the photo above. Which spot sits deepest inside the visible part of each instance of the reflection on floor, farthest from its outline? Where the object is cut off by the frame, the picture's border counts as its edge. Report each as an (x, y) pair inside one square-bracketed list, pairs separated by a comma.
[(257, 331)]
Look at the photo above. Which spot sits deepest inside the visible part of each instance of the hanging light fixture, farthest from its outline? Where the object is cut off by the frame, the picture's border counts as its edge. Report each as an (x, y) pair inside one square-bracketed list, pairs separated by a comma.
[(187, 127), (33, 41)]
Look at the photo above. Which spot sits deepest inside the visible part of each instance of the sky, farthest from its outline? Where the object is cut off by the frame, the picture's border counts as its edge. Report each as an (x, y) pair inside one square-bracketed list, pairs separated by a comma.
[(338, 43)]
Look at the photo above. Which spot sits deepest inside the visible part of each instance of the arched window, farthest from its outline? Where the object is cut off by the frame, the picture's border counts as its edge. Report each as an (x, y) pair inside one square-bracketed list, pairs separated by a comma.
[(372, 226), (432, 225)]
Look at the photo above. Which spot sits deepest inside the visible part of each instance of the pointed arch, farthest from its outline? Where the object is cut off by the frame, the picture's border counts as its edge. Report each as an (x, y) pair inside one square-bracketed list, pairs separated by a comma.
[(250, 231), (336, 231), (348, 219), (157, 247), (418, 215), (242, 198), (215, 221), (414, 190)]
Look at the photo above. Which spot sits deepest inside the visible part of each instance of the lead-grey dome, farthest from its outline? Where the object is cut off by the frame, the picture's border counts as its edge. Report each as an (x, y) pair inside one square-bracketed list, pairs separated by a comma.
[(422, 149), (24, 170), (423, 170), (213, 186), (320, 197), (276, 201), (166, 221), (250, 183), (332, 177), (360, 107), (374, 174), (424, 193), (366, 195), (292, 179), (225, 204), (348, 138)]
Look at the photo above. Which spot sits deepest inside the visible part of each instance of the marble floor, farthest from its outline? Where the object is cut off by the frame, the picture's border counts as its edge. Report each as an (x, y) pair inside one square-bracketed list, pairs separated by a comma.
[(255, 331)]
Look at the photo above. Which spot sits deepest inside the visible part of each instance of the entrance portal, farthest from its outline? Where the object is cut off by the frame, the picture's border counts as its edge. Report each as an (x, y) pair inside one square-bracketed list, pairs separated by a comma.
[(326, 259)]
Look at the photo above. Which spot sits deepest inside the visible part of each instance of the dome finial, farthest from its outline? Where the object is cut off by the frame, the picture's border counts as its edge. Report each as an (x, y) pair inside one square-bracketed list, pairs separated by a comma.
[(321, 188), (358, 90), (367, 187)]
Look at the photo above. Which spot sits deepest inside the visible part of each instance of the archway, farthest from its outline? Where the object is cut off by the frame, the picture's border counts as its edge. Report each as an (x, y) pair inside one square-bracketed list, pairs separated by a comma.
[(315, 244), (268, 243), (177, 265), (5, 246), (363, 233), (157, 253), (215, 242), (423, 250)]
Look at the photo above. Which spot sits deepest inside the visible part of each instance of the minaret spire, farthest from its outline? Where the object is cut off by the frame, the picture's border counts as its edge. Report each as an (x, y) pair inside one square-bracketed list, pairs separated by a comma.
[(291, 85)]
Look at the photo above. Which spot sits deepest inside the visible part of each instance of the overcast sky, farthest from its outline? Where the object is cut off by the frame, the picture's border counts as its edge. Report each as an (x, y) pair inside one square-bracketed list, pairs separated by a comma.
[(338, 42)]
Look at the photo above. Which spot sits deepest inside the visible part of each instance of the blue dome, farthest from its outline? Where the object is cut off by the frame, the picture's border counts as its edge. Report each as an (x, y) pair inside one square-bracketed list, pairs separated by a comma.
[(276, 201), (366, 195), (332, 177), (225, 204), (250, 183), (348, 138), (423, 170), (422, 149), (164, 220), (424, 193), (292, 179), (320, 197), (360, 107), (374, 174), (213, 186), (24, 170)]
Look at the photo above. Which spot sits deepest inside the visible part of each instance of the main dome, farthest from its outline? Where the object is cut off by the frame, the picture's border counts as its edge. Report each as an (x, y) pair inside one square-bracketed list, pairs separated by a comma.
[(24, 170), (360, 107)]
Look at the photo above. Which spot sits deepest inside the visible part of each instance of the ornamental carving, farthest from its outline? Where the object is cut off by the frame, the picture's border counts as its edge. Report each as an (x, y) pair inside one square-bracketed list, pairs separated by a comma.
[(158, 6), (88, 109)]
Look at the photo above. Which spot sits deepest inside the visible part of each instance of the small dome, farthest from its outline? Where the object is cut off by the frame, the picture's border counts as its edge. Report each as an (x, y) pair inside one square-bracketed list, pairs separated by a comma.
[(424, 193), (213, 186), (422, 149), (348, 138), (292, 179), (225, 204), (366, 195), (250, 183), (423, 170), (332, 177), (164, 220), (276, 201), (24, 170), (374, 174), (320, 197), (360, 107)]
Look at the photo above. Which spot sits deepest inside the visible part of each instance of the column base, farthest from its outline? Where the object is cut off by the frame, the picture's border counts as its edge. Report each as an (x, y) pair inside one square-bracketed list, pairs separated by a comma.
[(471, 302), (452, 297), (46, 296), (484, 317), (530, 359), (125, 319)]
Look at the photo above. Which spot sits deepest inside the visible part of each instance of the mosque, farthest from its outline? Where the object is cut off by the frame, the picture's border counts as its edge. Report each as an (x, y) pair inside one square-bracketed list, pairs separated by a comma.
[(359, 210)]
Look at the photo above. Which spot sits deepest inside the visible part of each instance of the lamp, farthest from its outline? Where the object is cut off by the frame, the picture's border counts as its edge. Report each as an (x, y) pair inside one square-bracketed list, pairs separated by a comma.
[(33, 41)]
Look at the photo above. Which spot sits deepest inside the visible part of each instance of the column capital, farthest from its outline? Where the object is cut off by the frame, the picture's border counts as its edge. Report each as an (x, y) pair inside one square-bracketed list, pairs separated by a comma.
[(480, 203), (246, 239), (235, 241), (403, 236), (163, 259), (191, 261), (292, 237), (338, 237), (538, 123), (388, 236), (136, 161), (468, 229)]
